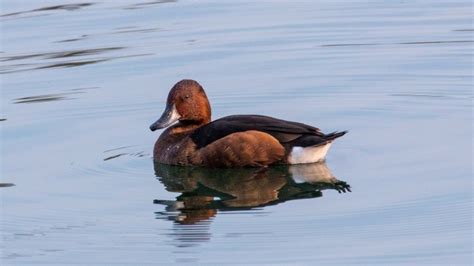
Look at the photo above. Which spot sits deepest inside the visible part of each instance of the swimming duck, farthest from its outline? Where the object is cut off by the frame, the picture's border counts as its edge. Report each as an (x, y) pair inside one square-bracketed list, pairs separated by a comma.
[(192, 139)]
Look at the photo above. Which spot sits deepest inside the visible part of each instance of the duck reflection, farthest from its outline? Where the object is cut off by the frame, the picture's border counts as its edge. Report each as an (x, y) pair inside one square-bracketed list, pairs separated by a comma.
[(205, 192)]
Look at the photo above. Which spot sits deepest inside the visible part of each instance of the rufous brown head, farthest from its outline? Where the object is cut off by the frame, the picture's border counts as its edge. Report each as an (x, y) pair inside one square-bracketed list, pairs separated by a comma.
[(187, 103)]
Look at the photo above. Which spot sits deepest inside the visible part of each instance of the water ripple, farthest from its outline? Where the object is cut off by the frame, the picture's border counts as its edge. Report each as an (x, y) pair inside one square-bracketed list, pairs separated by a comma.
[(398, 43), (65, 7)]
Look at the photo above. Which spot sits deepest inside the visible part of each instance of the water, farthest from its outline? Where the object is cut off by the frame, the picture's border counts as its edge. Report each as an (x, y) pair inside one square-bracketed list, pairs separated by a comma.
[(82, 81)]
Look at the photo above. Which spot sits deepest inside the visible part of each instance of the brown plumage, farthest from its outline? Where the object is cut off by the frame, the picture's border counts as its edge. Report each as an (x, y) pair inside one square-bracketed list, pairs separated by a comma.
[(248, 148), (233, 141)]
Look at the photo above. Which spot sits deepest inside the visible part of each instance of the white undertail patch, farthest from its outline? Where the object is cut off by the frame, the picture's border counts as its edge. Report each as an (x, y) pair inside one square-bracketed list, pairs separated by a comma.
[(299, 155)]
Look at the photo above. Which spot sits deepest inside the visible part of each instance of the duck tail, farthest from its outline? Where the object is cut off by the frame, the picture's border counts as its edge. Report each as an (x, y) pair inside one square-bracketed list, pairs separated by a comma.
[(334, 135)]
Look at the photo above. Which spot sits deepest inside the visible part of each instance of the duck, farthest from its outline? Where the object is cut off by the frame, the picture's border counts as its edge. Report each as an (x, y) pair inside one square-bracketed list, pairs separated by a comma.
[(191, 138)]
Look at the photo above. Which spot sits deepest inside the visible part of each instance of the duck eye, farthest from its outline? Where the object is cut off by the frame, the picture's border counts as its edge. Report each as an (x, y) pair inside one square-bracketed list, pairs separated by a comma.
[(187, 96)]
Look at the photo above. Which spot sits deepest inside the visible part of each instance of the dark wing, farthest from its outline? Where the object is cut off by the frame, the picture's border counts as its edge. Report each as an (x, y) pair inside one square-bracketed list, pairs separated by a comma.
[(286, 132)]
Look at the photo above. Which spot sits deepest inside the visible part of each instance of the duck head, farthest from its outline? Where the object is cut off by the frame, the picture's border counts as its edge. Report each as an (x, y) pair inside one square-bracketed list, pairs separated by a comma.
[(187, 103)]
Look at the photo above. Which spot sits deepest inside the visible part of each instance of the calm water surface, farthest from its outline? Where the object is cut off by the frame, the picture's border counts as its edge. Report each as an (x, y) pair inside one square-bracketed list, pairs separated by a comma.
[(81, 82)]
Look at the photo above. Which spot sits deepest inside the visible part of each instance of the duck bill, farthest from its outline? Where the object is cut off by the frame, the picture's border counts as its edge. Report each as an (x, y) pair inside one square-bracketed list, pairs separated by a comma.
[(169, 116)]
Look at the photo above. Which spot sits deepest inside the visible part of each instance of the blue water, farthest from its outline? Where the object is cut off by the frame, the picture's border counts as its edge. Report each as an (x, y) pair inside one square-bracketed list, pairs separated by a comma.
[(82, 81)]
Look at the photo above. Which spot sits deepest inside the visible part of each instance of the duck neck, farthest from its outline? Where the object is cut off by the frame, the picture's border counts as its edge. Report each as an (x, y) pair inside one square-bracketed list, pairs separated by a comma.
[(194, 123), (188, 126)]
